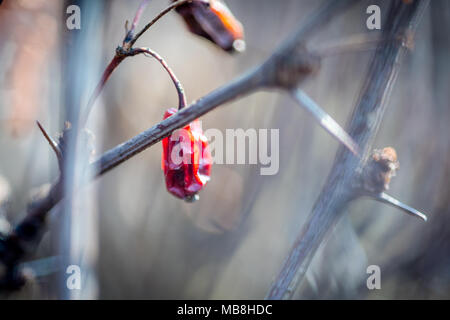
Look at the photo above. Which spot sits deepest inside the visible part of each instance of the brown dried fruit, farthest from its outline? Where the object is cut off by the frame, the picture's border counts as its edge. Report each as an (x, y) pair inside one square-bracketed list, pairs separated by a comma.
[(214, 21), (381, 167)]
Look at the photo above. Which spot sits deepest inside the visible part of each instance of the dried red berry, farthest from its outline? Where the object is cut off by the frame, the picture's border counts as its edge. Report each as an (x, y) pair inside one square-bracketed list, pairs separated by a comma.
[(214, 21), (186, 160)]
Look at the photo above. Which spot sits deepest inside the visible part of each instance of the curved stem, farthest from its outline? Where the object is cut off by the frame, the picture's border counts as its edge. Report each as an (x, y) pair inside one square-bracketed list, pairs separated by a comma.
[(181, 95)]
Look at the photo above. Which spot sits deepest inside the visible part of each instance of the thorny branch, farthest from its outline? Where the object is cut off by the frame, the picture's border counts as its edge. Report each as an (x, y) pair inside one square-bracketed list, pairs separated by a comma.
[(345, 174), (288, 66)]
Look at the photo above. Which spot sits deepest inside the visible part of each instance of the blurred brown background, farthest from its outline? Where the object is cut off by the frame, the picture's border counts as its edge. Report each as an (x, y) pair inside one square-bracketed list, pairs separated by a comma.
[(231, 243)]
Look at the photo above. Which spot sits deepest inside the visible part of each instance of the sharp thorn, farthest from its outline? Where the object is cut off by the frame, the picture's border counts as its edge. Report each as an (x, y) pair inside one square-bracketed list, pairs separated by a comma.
[(385, 198), (325, 120)]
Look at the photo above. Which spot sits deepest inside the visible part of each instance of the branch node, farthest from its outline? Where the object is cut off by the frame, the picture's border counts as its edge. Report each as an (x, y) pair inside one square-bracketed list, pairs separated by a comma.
[(379, 170), (376, 177), (289, 69), (86, 139), (182, 101)]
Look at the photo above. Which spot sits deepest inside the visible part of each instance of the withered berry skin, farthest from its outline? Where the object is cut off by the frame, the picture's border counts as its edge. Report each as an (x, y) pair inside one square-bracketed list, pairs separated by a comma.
[(215, 22), (184, 179)]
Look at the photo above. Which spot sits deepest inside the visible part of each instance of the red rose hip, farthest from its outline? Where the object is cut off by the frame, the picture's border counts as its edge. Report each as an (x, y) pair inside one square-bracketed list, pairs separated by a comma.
[(186, 160)]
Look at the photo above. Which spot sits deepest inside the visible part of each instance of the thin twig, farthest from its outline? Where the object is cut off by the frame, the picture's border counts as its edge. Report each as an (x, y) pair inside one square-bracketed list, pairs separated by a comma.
[(174, 5), (136, 19), (280, 70)]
